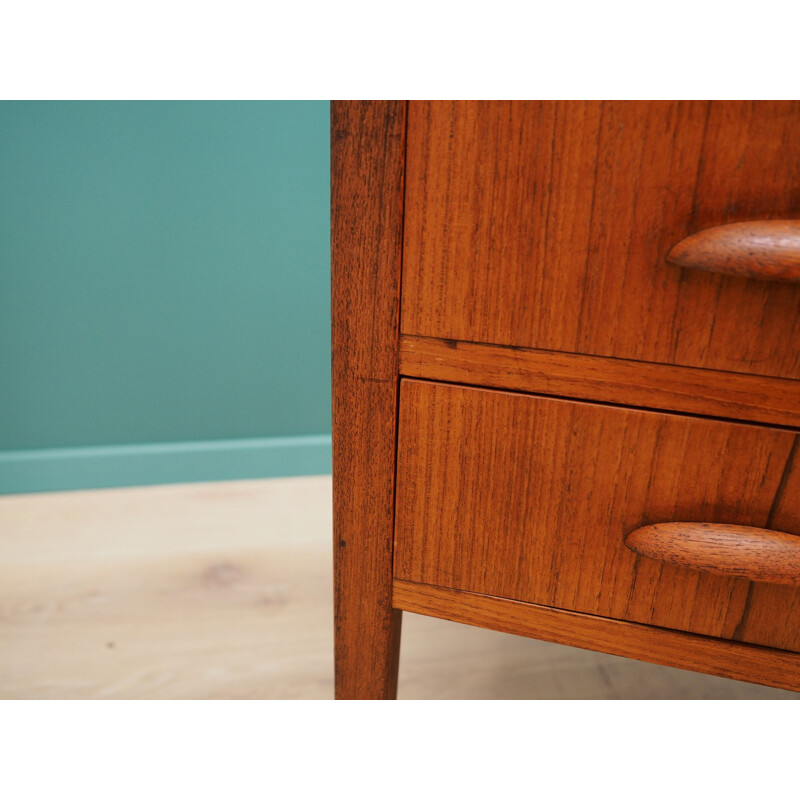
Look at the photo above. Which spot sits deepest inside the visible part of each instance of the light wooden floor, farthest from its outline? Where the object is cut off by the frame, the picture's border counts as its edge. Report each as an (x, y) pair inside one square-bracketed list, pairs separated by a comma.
[(224, 591)]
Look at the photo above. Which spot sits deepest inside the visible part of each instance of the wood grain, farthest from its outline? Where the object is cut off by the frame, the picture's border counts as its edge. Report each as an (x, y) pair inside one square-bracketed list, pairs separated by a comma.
[(764, 250), (757, 554), (769, 607), (546, 225), (367, 161), (729, 395), (687, 651), (529, 498)]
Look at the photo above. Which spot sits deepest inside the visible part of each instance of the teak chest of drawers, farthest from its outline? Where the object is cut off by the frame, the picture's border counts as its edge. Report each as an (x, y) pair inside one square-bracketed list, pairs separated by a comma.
[(566, 379)]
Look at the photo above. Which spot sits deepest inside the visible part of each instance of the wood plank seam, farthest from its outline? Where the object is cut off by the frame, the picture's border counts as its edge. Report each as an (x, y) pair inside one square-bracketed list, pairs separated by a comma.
[(607, 403), (771, 402)]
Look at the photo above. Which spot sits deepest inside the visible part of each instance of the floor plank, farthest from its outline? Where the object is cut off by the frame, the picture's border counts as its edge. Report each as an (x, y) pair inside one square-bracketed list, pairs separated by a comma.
[(224, 591)]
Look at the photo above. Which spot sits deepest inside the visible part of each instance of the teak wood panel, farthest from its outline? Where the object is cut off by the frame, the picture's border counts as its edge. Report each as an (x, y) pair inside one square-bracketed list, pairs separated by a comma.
[(529, 498), (367, 147), (546, 225)]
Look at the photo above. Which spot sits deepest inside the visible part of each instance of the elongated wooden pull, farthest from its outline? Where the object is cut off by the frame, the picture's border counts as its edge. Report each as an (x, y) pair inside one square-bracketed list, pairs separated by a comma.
[(733, 550), (768, 250)]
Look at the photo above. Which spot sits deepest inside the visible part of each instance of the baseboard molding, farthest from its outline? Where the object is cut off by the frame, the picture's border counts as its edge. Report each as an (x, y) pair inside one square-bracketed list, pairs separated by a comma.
[(172, 462)]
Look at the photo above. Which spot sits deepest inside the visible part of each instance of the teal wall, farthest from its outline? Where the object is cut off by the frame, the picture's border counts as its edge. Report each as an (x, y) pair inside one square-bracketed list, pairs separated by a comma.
[(164, 285)]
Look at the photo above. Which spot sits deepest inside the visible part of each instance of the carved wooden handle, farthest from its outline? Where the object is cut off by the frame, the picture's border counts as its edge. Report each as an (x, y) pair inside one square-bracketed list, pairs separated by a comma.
[(768, 250), (733, 550)]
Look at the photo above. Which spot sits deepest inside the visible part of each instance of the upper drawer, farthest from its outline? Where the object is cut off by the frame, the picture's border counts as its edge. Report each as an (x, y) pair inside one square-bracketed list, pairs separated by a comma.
[(546, 225), (530, 498)]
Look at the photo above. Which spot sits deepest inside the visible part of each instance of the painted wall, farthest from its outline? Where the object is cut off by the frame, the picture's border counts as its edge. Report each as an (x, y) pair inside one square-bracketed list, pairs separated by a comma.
[(164, 292)]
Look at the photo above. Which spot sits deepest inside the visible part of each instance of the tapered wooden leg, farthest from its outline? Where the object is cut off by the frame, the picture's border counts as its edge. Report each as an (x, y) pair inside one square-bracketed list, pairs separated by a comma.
[(367, 655), (367, 628), (367, 168)]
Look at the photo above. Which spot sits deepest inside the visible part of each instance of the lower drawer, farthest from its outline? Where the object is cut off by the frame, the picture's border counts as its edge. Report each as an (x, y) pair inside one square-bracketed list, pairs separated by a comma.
[(530, 498)]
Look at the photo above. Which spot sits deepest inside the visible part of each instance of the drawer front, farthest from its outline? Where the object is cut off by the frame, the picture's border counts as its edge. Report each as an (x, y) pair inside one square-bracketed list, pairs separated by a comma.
[(530, 498), (546, 225)]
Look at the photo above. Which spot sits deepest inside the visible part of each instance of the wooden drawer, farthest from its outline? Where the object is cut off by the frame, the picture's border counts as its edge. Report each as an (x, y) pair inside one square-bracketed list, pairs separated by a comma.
[(530, 498), (546, 225)]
